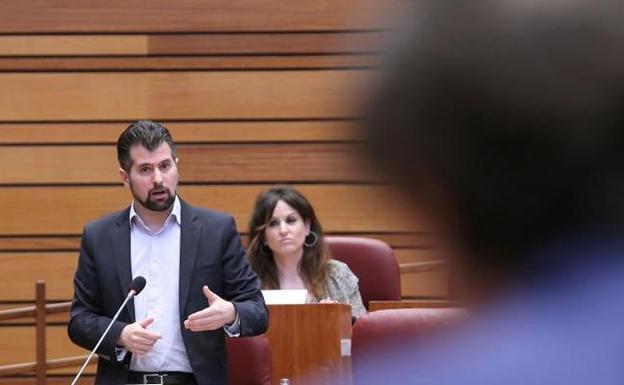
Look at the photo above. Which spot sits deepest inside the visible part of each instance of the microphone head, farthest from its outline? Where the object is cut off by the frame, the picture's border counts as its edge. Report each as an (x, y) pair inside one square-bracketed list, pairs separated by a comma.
[(137, 285)]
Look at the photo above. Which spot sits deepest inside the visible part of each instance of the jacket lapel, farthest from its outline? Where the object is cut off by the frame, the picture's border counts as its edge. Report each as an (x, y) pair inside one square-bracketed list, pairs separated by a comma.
[(120, 239), (189, 240)]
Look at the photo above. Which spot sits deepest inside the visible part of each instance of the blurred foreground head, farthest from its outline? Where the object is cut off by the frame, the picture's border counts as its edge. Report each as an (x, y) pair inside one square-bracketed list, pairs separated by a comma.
[(507, 117)]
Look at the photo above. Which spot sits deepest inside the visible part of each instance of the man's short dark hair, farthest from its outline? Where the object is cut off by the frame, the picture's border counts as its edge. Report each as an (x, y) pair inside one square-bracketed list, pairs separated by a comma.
[(515, 110), (147, 133)]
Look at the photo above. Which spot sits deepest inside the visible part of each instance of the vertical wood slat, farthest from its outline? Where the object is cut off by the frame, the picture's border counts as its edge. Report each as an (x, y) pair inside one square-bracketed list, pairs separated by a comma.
[(40, 339)]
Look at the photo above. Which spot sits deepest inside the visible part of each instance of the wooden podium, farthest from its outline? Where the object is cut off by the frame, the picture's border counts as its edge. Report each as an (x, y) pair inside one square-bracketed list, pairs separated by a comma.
[(311, 343)]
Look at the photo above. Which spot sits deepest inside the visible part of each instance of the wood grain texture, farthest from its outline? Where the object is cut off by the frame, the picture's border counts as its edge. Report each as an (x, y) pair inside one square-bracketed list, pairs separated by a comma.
[(341, 208), (263, 44), (30, 243), (193, 44), (178, 63), (185, 132), (305, 342), (421, 254), (217, 163), (51, 319), (143, 16), (425, 285), (20, 271), (67, 45), (18, 346), (179, 95)]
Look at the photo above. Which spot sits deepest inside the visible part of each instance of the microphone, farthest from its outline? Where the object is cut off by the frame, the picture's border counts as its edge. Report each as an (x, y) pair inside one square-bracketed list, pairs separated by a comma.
[(136, 286)]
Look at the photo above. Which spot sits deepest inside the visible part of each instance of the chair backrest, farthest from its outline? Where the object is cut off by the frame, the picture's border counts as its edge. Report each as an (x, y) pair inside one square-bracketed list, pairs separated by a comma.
[(249, 360), (379, 333), (373, 262)]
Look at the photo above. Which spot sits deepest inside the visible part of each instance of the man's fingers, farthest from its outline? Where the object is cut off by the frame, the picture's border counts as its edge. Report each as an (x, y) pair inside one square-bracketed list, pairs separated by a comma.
[(202, 325), (145, 334), (146, 322), (142, 343), (219, 313), (137, 338), (143, 346), (149, 335), (206, 319), (200, 314), (212, 297), (145, 339)]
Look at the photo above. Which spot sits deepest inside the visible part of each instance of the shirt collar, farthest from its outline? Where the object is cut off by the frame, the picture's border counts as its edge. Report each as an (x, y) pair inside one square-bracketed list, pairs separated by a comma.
[(176, 213)]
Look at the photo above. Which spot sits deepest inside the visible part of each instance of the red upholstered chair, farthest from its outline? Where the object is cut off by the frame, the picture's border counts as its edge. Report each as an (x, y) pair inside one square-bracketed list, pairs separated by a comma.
[(378, 333), (249, 360), (373, 262)]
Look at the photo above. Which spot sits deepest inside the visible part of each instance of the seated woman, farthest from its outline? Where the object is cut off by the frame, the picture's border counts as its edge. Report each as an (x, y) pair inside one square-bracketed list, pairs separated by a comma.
[(287, 251)]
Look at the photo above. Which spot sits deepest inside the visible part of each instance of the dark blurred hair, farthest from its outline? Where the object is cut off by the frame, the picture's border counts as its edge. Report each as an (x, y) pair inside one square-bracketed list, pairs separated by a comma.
[(147, 133), (515, 110), (313, 266)]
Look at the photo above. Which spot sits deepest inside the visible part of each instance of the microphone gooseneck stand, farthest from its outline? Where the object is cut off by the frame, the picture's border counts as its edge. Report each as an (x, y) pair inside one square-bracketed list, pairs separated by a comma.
[(136, 287)]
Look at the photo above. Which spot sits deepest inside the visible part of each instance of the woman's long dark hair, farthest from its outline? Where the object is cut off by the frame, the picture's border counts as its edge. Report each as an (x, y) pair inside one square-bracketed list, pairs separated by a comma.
[(313, 267)]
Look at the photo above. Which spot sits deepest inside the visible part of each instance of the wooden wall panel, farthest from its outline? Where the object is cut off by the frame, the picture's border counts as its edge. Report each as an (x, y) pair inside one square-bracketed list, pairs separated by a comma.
[(44, 243), (20, 271), (425, 285), (267, 44), (178, 95), (18, 346), (53, 319), (242, 163), (192, 44), (185, 132), (46, 45), (341, 208), (116, 16), (256, 92), (418, 254), (194, 63)]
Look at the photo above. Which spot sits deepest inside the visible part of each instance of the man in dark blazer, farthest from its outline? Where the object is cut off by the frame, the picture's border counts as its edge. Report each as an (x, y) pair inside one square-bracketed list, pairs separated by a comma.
[(199, 283)]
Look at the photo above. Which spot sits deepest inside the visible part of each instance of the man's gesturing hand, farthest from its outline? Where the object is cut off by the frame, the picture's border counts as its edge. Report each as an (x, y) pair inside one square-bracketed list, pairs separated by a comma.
[(136, 338), (219, 313)]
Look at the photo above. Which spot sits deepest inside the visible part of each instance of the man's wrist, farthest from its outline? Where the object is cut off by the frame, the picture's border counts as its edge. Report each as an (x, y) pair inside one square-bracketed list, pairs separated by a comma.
[(234, 316)]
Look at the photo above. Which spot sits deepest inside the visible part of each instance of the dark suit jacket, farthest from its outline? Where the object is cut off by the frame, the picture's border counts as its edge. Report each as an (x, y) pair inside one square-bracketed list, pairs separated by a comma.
[(210, 254)]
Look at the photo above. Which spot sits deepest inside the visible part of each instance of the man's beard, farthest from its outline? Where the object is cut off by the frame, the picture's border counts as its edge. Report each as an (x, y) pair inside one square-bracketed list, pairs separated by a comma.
[(156, 205)]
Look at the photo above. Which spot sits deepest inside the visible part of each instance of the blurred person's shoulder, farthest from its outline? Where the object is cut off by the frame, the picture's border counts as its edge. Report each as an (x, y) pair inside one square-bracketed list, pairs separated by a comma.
[(566, 331)]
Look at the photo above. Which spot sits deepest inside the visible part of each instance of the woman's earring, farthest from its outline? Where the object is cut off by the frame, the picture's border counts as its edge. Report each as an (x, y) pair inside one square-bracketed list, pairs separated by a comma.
[(312, 242)]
